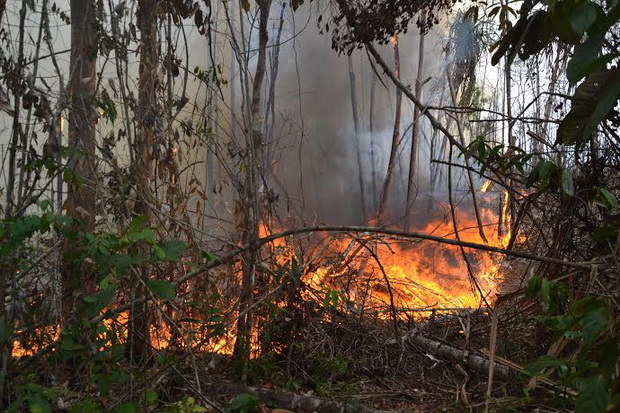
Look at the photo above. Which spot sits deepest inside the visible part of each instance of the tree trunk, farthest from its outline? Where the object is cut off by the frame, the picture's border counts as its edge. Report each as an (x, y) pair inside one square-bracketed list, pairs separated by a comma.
[(371, 129), (356, 138), (250, 202), (395, 137), (145, 143), (80, 202), (415, 134)]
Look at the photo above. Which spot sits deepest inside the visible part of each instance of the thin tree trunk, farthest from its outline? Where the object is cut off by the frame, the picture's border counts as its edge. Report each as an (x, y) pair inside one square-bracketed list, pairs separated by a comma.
[(371, 130), (145, 143), (360, 170), (505, 214), (270, 114), (415, 134), (558, 66), (395, 136), (81, 140), (7, 271), (470, 176), (16, 127), (81, 198), (251, 204)]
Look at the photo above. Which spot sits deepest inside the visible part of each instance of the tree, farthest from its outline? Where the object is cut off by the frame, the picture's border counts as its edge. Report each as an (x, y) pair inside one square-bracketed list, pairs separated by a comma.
[(250, 204), (81, 172)]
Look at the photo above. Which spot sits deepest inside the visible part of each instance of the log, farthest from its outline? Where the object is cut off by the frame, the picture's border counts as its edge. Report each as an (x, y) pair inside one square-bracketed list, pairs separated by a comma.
[(446, 352)]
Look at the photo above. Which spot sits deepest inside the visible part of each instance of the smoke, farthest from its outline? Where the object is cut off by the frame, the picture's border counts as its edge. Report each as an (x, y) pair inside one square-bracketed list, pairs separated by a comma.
[(319, 164)]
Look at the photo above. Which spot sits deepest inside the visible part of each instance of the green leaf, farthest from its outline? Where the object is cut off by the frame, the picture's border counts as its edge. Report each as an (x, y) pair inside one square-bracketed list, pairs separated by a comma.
[(546, 169), (607, 100), (86, 406), (607, 355), (6, 330), (162, 289), (143, 235), (571, 128), (172, 250), (137, 223), (532, 178), (159, 252), (593, 396), (150, 397), (543, 362), (610, 200), (586, 59), (69, 345), (45, 205), (37, 404), (127, 408), (594, 321), (104, 383), (545, 291), (245, 403), (537, 36), (70, 177), (602, 234), (102, 299), (209, 257), (583, 17), (533, 287), (559, 24), (567, 183)]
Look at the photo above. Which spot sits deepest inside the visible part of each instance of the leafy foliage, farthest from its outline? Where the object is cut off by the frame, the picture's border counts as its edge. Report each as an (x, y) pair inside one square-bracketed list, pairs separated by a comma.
[(589, 24), (245, 403), (585, 323), (365, 21)]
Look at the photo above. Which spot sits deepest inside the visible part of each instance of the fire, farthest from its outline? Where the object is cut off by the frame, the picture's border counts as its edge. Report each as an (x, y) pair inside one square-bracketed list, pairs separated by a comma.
[(369, 275), (486, 186), (418, 275), (377, 274)]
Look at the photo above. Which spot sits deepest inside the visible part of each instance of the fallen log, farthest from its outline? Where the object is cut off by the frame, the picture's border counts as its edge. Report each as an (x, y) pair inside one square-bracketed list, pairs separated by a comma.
[(446, 352)]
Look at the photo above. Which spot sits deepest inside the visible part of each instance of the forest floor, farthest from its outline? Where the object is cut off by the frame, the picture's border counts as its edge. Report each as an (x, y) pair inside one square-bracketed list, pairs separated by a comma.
[(434, 364)]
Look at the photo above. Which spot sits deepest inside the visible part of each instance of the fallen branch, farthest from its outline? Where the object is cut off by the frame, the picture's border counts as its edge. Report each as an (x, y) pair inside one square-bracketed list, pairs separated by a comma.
[(446, 352)]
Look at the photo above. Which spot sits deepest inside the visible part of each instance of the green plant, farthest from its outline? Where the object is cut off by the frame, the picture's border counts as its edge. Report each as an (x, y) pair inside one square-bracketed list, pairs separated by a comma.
[(247, 402), (586, 324), (96, 348), (39, 399), (586, 25)]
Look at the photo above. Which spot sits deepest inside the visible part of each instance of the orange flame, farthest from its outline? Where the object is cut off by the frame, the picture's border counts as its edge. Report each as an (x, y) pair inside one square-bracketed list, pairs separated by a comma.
[(368, 275), (486, 186)]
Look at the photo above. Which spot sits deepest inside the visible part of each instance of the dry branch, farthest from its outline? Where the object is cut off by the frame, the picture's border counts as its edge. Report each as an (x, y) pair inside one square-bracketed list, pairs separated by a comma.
[(423, 108)]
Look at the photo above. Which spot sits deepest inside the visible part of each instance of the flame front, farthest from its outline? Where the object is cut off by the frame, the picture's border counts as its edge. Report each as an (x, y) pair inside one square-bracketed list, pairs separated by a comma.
[(411, 276), (370, 275)]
